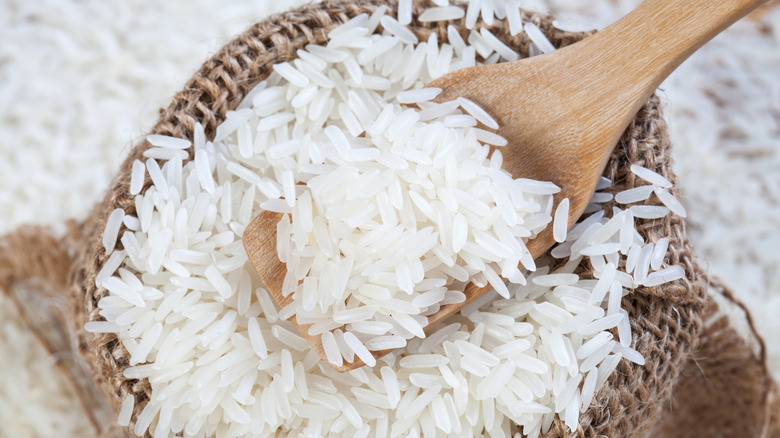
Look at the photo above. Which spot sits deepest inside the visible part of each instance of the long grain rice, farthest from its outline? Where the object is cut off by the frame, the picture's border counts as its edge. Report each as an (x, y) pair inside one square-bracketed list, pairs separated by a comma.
[(240, 349)]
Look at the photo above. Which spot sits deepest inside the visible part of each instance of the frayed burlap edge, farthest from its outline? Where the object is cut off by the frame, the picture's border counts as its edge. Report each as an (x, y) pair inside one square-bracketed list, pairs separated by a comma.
[(34, 273), (665, 320), (726, 387)]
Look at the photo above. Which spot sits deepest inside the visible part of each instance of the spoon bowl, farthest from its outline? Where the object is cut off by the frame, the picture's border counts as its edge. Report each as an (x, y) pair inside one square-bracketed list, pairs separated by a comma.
[(562, 114)]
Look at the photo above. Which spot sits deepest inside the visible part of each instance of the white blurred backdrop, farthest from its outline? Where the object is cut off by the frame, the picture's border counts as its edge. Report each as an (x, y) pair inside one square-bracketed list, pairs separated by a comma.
[(81, 81)]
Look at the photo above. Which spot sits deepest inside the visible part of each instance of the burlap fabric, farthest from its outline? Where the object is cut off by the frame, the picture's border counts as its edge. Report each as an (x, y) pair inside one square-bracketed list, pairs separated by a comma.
[(661, 398), (724, 387)]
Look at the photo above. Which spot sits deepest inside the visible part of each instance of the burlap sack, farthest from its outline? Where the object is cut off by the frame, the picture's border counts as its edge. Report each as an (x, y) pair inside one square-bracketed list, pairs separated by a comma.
[(724, 389), (700, 377)]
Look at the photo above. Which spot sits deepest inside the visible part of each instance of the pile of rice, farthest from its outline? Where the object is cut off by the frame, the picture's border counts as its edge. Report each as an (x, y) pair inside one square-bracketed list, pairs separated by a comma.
[(61, 64), (223, 359)]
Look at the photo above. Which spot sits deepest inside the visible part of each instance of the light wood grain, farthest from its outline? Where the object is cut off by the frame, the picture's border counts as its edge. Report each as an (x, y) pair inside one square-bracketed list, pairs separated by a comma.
[(562, 113)]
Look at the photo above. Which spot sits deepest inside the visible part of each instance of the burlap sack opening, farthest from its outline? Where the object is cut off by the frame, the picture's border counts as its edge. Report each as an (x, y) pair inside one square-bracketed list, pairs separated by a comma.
[(667, 322)]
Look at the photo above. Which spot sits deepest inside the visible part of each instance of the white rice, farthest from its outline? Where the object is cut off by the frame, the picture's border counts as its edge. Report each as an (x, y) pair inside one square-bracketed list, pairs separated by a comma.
[(650, 176), (400, 31), (415, 96), (126, 411), (441, 14), (669, 274), (111, 230), (163, 141), (573, 24), (437, 229), (42, 183), (248, 368), (670, 202), (137, 177), (502, 49), (477, 112), (405, 11), (561, 221), (659, 253), (636, 194), (538, 38), (472, 13), (515, 21), (649, 211)]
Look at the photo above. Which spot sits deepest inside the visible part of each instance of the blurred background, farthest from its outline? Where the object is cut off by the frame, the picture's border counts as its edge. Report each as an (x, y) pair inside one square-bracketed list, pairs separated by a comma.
[(81, 81)]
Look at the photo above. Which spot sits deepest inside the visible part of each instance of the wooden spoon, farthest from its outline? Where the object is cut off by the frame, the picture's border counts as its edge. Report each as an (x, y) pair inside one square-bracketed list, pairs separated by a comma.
[(562, 112)]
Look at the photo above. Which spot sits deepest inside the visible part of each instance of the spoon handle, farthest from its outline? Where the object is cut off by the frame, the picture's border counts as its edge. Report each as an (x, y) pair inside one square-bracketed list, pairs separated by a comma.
[(640, 50)]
